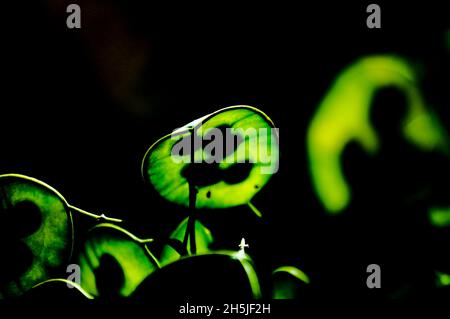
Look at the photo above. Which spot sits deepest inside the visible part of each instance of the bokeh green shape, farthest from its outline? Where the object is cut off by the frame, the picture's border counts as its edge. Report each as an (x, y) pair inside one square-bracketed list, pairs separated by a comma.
[(131, 253), (343, 115), (439, 216), (160, 170), (442, 279), (51, 245)]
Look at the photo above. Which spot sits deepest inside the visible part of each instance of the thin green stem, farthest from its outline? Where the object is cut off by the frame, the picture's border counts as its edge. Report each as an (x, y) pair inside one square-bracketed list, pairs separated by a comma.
[(99, 217), (192, 219), (190, 228), (186, 237), (152, 257), (254, 209)]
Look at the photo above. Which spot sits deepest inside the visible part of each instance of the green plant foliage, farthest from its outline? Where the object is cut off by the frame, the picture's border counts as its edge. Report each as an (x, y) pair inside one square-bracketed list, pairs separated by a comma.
[(203, 237), (219, 185), (113, 262), (287, 282), (36, 232), (343, 115)]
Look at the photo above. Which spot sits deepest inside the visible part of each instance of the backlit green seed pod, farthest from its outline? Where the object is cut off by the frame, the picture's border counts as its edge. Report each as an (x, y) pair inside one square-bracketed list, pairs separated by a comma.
[(228, 156), (113, 262), (36, 233)]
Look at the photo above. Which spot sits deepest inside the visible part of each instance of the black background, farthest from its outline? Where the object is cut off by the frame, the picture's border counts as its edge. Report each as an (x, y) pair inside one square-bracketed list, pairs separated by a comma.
[(62, 123)]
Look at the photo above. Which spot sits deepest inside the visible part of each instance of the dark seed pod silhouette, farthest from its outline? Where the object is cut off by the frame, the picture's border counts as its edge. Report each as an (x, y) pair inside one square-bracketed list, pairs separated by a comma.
[(36, 232), (217, 276), (243, 160), (113, 262)]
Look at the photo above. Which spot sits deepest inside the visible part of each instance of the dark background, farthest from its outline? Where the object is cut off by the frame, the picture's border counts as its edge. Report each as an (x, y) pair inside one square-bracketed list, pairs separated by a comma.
[(79, 108)]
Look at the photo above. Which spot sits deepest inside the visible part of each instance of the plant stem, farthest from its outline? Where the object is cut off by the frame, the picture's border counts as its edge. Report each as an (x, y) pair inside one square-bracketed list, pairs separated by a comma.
[(254, 209), (103, 218), (190, 228), (192, 218)]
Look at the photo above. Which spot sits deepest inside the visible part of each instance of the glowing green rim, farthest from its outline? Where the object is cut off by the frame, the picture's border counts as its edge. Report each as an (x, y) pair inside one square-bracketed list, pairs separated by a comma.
[(134, 238), (204, 119), (73, 284), (293, 271), (246, 262)]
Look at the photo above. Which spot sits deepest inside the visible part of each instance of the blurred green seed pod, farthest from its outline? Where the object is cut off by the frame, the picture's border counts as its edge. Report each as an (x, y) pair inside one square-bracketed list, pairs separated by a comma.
[(343, 116)]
